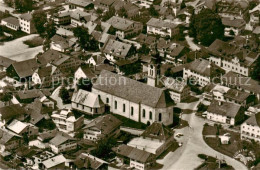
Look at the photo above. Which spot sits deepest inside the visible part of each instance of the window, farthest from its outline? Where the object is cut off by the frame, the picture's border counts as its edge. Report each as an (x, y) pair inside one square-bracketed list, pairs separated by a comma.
[(160, 117), (115, 104), (107, 100), (132, 111), (143, 113), (123, 107), (150, 115)]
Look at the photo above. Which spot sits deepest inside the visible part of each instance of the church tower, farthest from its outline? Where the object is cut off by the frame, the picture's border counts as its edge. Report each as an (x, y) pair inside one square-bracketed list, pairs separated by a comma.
[(153, 73)]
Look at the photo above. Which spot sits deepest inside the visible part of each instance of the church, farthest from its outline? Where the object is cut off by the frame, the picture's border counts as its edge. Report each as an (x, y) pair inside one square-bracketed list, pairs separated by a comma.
[(135, 100)]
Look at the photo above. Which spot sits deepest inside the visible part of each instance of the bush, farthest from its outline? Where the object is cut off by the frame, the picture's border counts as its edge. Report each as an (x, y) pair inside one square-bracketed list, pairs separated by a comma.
[(202, 156), (64, 95)]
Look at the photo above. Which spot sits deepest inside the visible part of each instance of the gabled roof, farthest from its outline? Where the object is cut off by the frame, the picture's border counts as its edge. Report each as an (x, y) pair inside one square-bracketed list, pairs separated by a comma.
[(254, 120), (81, 3), (224, 108), (6, 62), (157, 131), (237, 95), (61, 138), (87, 98), (12, 20), (11, 112), (61, 41), (160, 23), (26, 16), (30, 94), (17, 126), (106, 124), (54, 161), (134, 153), (120, 23), (236, 23), (132, 90), (84, 160), (25, 68), (173, 84), (6, 136), (116, 48)]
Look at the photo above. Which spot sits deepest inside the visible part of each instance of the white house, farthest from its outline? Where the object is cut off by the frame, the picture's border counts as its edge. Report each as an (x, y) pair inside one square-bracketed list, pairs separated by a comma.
[(161, 27), (250, 129), (66, 121), (224, 112), (233, 26), (254, 16), (134, 100), (83, 72), (11, 22), (87, 102), (62, 142), (26, 23), (101, 127)]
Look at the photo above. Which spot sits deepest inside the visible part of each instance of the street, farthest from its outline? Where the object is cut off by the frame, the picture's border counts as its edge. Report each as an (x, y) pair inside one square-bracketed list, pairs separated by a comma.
[(186, 157)]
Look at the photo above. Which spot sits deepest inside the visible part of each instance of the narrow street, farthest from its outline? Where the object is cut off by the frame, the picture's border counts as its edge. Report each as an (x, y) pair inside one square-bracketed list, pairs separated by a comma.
[(186, 157), (55, 96)]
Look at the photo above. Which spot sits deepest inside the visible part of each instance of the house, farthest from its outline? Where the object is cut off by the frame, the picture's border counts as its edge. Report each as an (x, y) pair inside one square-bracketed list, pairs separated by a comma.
[(61, 18), (11, 22), (48, 135), (115, 50), (66, 121), (148, 40), (9, 140), (47, 76), (225, 112), (83, 72), (136, 158), (155, 139), (232, 9), (124, 27), (230, 58), (252, 110), (215, 92), (161, 27), (202, 71), (102, 127), (25, 154), (250, 129), (178, 89), (62, 142), (96, 60), (56, 162), (224, 139), (87, 161), (81, 5), (59, 43), (21, 128), (26, 23), (198, 5), (239, 97), (254, 16), (81, 18), (22, 70), (134, 100), (39, 157), (87, 102), (8, 113), (104, 4), (233, 27), (234, 80), (5, 63)]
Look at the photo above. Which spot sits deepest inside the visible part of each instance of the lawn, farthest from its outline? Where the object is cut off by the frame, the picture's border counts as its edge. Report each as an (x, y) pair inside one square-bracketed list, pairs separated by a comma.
[(212, 163), (130, 123), (15, 34), (34, 42)]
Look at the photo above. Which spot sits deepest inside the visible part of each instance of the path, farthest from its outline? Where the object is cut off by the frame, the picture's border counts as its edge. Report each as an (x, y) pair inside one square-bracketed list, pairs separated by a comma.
[(185, 157), (55, 96), (192, 45), (18, 51)]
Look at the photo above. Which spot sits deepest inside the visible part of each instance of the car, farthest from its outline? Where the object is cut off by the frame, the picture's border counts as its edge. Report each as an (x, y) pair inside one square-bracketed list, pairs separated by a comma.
[(180, 144)]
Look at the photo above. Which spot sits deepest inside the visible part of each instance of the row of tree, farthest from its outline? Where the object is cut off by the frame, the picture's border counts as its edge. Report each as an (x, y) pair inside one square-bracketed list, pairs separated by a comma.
[(20, 5)]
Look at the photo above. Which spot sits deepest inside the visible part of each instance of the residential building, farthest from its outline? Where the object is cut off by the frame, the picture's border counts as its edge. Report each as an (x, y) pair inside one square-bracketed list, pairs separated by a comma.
[(231, 9), (233, 27), (250, 129), (81, 5), (11, 22), (62, 142), (240, 97), (8, 113), (21, 128), (252, 110), (161, 27), (66, 121), (254, 16), (178, 89), (56, 162), (5, 63), (134, 100), (87, 161), (102, 127), (124, 27), (231, 58), (40, 157), (9, 140), (201, 71), (104, 4), (26, 23), (61, 18), (136, 158), (215, 92), (83, 72), (225, 112), (155, 139), (59, 43), (87, 102), (115, 50)]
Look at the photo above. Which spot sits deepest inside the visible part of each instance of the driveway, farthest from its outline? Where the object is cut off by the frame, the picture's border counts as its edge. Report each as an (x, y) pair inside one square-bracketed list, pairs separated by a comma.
[(55, 96), (185, 157), (192, 45), (18, 51)]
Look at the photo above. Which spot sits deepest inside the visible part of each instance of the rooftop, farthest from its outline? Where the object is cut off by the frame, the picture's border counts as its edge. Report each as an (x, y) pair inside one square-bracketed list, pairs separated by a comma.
[(160, 23)]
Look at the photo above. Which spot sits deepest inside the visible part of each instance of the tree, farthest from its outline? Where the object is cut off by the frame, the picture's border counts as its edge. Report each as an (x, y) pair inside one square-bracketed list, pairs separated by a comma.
[(84, 84), (110, 13), (1, 31), (144, 49), (206, 27), (99, 11), (50, 30), (64, 95), (122, 12), (256, 70), (153, 11), (40, 19), (9, 3), (6, 97), (23, 5)]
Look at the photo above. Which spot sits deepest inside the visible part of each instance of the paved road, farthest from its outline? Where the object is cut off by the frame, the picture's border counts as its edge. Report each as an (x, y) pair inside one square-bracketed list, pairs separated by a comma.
[(185, 158), (18, 51), (192, 45), (55, 96)]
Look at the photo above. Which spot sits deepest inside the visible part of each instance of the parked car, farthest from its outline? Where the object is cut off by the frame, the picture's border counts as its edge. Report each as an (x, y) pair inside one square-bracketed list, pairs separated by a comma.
[(178, 135)]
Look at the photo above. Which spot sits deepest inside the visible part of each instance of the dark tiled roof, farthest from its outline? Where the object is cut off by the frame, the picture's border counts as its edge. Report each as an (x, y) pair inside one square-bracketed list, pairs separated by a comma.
[(84, 160), (60, 138), (6, 62), (132, 90), (254, 120), (30, 94), (237, 23), (225, 108), (12, 111), (134, 153), (26, 16), (237, 95), (116, 48), (157, 131), (12, 20), (6, 136), (25, 68)]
